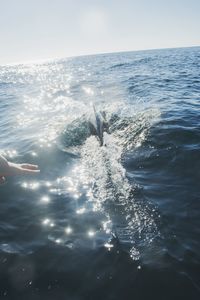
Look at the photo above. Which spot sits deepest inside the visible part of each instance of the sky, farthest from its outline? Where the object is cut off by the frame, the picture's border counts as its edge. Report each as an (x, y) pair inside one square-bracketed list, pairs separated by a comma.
[(32, 30)]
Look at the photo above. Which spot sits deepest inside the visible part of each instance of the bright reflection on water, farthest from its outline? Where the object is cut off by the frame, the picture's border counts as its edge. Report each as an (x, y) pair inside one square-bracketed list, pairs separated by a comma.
[(95, 184), (34, 153), (81, 211), (68, 230), (91, 233), (109, 246), (94, 187), (9, 153), (46, 221), (58, 241), (31, 185), (80, 196), (47, 183), (88, 90), (47, 105), (45, 199)]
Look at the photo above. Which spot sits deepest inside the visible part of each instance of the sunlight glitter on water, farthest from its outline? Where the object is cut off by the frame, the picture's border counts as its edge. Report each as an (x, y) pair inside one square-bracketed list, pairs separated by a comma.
[(58, 241), (31, 185), (108, 246), (98, 178), (45, 199), (88, 90), (68, 230), (34, 153), (91, 233), (46, 221), (81, 211), (48, 184)]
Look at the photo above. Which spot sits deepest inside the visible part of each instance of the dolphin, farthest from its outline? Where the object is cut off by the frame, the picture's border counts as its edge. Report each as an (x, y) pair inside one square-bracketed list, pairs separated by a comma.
[(98, 125), (76, 132)]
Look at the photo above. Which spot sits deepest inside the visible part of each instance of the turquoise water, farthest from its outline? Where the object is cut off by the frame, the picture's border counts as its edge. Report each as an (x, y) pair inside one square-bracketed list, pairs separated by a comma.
[(119, 221)]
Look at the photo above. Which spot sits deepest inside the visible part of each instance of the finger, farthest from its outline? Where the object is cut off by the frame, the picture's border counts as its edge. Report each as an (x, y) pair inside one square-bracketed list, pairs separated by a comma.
[(16, 169), (29, 166), (29, 171)]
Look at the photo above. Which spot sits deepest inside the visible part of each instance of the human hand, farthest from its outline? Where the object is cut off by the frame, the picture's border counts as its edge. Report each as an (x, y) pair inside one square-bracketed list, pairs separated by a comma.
[(8, 169)]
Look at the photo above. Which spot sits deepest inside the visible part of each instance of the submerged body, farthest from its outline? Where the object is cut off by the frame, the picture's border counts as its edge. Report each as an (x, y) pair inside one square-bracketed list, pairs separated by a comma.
[(77, 131), (99, 125)]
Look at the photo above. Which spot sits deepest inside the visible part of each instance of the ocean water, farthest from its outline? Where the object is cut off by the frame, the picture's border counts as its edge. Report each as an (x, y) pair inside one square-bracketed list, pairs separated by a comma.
[(121, 221)]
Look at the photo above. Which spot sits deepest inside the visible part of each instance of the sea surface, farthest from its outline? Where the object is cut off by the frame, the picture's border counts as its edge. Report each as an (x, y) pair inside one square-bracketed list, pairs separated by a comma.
[(112, 222)]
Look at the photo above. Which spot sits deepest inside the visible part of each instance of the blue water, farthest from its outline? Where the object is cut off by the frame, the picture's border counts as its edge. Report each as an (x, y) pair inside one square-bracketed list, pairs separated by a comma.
[(121, 221)]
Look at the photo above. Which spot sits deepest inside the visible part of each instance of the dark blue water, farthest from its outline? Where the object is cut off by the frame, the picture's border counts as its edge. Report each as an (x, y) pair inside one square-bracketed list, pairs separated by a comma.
[(121, 221)]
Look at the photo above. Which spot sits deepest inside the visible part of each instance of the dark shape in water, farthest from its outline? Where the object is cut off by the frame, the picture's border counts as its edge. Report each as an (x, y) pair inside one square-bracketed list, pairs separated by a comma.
[(99, 125), (76, 133)]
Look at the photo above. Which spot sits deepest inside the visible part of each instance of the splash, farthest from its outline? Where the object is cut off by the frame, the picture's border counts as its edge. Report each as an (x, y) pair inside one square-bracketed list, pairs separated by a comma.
[(131, 217)]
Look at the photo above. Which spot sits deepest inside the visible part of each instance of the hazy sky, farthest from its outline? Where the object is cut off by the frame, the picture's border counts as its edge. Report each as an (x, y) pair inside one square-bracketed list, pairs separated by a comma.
[(42, 29)]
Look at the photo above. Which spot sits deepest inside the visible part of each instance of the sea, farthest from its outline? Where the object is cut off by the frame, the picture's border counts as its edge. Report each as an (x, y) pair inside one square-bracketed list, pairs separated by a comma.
[(118, 221)]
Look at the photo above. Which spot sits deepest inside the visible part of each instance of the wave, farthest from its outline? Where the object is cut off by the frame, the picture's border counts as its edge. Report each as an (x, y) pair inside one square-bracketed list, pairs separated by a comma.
[(129, 218), (131, 63)]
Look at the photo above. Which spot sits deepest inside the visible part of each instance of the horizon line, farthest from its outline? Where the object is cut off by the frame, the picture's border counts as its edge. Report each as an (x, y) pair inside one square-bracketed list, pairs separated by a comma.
[(41, 61)]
